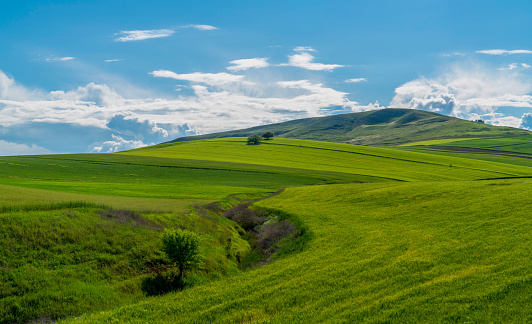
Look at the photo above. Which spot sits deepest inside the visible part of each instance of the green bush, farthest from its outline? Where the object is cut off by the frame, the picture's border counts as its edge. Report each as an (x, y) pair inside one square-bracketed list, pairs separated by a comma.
[(182, 248), (268, 135), (254, 139)]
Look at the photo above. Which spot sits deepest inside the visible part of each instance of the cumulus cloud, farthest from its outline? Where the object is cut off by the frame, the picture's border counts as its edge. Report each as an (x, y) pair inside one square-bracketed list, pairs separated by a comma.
[(467, 91), (136, 35), (526, 121), (147, 130), (101, 95), (213, 79), (11, 90), (303, 59), (246, 64), (504, 52), (9, 148), (117, 144), (357, 80), (201, 27)]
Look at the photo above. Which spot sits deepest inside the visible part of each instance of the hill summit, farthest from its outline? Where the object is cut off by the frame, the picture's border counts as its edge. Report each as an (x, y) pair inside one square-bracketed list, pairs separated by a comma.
[(383, 127)]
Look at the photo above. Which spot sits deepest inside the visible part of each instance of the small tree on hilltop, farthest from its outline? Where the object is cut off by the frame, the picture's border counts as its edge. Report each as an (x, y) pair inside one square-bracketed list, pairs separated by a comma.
[(268, 135), (182, 248), (254, 140)]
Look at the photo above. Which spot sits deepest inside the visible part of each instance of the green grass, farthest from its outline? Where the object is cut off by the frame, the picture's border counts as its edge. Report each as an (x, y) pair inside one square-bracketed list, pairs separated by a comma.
[(379, 253), (436, 142), (63, 259), (384, 163), (14, 196), (390, 234)]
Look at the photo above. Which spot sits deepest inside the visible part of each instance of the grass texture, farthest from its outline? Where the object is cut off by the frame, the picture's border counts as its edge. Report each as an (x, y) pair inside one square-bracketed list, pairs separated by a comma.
[(448, 252)]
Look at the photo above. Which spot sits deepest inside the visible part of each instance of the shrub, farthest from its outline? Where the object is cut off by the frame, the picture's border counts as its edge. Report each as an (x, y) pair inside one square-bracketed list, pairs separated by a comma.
[(268, 135), (254, 140), (182, 248)]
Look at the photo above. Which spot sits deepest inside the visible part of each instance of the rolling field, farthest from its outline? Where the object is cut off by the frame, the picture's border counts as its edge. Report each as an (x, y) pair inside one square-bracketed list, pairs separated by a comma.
[(402, 234), (381, 163), (378, 253)]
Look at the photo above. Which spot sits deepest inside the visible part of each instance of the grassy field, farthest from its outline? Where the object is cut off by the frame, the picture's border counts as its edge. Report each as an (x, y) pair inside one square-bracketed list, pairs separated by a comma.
[(380, 253), (63, 259), (380, 163), (406, 234)]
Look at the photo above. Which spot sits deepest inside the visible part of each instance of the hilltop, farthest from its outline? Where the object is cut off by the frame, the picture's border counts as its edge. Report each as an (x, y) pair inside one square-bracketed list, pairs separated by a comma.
[(384, 127)]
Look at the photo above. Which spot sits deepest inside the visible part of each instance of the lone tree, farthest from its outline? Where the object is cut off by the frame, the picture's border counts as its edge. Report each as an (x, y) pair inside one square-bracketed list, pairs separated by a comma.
[(268, 135), (254, 140), (182, 248)]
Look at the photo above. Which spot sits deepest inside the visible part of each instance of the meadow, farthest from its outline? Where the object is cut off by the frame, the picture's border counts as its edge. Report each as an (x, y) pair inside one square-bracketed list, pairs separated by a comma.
[(404, 234), (378, 253)]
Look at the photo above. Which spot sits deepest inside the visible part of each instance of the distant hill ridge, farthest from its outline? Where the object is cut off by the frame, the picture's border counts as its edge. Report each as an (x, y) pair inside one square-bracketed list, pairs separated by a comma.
[(384, 127)]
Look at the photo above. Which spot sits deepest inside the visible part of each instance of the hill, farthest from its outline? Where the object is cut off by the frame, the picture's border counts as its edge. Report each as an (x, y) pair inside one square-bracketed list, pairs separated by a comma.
[(383, 127)]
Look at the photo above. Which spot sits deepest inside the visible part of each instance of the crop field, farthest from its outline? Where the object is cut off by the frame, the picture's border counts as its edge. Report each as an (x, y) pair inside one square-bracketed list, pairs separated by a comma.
[(405, 234)]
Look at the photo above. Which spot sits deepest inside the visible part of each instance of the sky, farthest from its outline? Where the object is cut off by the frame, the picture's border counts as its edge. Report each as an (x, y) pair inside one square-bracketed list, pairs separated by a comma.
[(105, 76)]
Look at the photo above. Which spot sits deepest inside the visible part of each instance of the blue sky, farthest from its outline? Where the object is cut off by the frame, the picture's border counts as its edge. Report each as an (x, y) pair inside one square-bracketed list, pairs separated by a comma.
[(102, 76)]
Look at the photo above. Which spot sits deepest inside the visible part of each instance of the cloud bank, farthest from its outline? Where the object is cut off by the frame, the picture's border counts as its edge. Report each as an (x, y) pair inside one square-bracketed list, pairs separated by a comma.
[(96, 118), (468, 92)]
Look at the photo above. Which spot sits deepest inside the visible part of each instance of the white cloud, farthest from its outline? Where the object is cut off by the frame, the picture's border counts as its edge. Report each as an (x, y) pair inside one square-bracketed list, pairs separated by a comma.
[(526, 121), (117, 144), (9, 148), (513, 66), (213, 79), (356, 80), (246, 64), (10, 90), (201, 27), (113, 60), (136, 35), (304, 49), (503, 52), (101, 95), (96, 118), (59, 59), (465, 92), (453, 54), (304, 60)]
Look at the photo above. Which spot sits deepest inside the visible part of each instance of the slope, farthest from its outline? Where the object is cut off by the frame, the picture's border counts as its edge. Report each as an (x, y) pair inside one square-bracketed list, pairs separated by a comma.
[(437, 252), (376, 128), (382, 164)]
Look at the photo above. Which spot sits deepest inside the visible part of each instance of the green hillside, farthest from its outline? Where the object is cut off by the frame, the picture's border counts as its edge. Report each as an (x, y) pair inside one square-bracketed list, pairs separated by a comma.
[(375, 128), (443, 252), (404, 234)]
